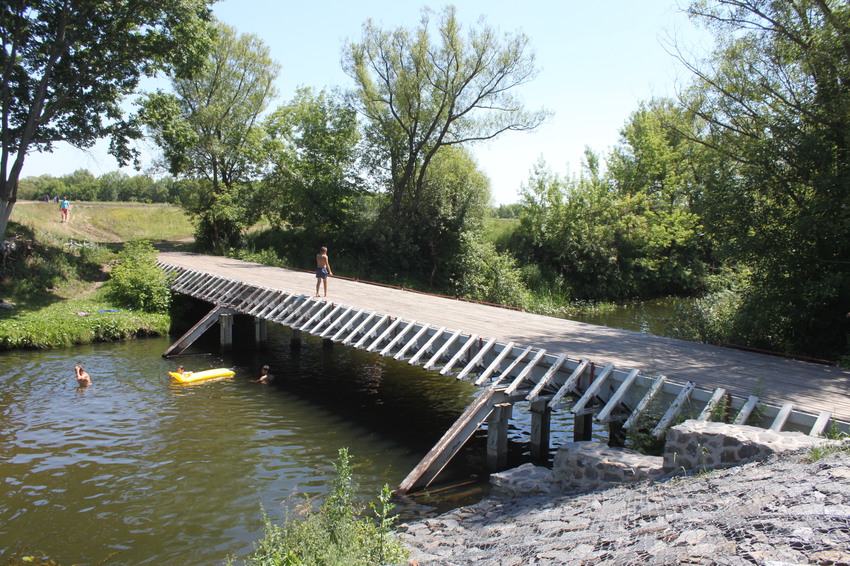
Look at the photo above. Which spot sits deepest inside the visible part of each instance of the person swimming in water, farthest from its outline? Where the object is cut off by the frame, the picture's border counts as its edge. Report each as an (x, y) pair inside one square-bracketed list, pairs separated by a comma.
[(83, 378), (265, 377)]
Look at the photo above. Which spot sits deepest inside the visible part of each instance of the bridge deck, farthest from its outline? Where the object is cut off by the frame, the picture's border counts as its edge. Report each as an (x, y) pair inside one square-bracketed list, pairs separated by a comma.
[(775, 379)]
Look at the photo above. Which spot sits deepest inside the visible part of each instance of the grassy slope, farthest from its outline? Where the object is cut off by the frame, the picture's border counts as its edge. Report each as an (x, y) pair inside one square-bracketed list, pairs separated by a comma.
[(49, 281)]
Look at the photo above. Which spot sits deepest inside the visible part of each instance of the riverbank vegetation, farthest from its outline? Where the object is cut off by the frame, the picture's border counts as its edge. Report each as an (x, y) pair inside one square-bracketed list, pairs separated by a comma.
[(55, 283), (339, 532), (734, 192)]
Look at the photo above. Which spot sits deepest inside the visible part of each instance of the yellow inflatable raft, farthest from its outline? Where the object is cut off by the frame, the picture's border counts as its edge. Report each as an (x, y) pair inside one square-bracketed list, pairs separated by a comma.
[(193, 377)]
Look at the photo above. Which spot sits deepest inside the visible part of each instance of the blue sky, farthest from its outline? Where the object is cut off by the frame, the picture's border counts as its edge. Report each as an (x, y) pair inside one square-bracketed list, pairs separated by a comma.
[(597, 61)]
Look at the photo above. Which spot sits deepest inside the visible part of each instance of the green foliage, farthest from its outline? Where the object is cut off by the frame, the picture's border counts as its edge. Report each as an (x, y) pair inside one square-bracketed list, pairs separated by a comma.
[(78, 321), (710, 319), (313, 182), (69, 66), (590, 242), (114, 186), (775, 112), (484, 274), (424, 93), (335, 534), (209, 132), (137, 282)]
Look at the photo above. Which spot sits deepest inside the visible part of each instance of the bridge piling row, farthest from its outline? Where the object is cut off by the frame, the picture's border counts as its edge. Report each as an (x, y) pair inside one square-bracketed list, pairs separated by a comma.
[(508, 372)]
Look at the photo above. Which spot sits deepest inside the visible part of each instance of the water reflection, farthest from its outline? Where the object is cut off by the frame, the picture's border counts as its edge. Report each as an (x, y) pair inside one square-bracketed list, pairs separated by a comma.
[(157, 472)]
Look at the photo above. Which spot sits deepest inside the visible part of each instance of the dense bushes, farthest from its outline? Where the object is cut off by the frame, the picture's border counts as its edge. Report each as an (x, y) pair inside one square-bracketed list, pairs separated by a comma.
[(137, 282)]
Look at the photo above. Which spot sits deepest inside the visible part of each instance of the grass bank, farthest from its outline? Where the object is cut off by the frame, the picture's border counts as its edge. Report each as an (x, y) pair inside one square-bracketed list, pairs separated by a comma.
[(52, 284)]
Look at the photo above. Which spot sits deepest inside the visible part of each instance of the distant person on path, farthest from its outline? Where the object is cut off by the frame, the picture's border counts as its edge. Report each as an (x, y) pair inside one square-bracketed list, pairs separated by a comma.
[(265, 377), (323, 270), (83, 378), (64, 208)]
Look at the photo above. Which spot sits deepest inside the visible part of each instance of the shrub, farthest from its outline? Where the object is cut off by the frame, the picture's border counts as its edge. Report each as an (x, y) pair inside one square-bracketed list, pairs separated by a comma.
[(335, 534), (137, 282)]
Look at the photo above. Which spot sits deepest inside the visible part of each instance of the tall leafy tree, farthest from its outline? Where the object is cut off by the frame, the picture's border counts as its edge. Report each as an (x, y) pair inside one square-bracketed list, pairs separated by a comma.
[(314, 178), (210, 131), (427, 88), (67, 65), (774, 98)]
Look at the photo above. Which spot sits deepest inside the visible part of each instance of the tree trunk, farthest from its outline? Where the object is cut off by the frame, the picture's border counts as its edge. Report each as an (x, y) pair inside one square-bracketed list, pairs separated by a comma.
[(8, 197)]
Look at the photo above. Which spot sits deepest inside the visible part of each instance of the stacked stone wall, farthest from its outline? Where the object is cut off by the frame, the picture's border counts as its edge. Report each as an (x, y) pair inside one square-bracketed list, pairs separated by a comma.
[(690, 446)]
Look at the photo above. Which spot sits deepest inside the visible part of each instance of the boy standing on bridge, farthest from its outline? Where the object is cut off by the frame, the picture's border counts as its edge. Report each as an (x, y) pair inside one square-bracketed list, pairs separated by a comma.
[(323, 270)]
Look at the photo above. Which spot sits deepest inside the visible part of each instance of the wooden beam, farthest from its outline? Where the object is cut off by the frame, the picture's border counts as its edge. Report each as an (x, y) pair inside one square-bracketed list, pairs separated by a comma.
[(439, 353), (428, 344), (712, 403), (452, 441), (460, 352), (477, 359), (397, 338), (593, 389), (511, 367), (195, 332), (618, 396), (782, 417), (569, 384), (494, 364), (372, 331), (746, 410), (644, 402), (820, 424), (413, 341), (358, 328), (390, 327), (525, 371), (547, 377), (674, 409)]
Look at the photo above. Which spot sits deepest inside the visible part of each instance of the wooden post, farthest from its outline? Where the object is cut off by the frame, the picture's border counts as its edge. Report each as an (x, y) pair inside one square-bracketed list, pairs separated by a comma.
[(583, 424), (541, 423), (225, 324), (295, 339), (616, 434), (497, 437), (261, 331)]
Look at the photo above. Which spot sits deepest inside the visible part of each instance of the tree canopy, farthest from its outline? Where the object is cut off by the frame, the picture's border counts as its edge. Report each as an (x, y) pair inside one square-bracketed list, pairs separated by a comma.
[(67, 66), (210, 131)]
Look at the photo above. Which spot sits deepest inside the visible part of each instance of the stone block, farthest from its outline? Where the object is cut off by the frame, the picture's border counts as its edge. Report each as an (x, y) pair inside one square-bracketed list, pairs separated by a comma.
[(697, 445), (526, 479), (594, 465)]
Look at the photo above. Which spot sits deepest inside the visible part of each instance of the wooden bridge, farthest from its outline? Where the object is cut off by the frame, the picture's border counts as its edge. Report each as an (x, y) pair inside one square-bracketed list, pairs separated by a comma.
[(595, 373)]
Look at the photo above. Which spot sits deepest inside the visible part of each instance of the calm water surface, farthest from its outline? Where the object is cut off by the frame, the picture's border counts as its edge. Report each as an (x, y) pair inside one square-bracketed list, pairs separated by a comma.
[(167, 474)]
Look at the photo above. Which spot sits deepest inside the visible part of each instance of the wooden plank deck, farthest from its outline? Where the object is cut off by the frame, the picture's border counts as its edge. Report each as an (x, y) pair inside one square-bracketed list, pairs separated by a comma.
[(810, 387)]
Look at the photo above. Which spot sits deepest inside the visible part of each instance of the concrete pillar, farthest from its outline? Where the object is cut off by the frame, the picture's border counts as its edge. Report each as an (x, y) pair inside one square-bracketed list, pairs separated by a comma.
[(261, 331), (497, 437), (541, 425), (225, 325), (295, 340)]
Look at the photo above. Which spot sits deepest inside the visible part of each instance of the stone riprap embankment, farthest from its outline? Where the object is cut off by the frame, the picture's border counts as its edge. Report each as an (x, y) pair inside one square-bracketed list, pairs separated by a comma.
[(782, 511)]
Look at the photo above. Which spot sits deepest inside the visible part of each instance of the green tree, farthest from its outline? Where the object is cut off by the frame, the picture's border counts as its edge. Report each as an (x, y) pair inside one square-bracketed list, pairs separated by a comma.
[(67, 66), (210, 131), (424, 89), (774, 98), (313, 181)]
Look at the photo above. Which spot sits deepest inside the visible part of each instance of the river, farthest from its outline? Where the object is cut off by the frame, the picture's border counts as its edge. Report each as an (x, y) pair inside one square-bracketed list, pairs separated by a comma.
[(157, 473)]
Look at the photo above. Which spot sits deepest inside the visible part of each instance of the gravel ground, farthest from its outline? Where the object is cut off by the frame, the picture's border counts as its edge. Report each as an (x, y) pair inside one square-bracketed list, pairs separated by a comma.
[(787, 510)]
